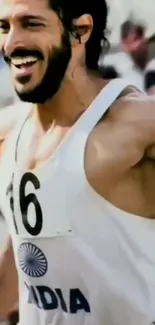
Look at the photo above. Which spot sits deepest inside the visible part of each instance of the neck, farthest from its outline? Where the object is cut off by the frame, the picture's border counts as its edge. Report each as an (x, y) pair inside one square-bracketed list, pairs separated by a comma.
[(75, 95)]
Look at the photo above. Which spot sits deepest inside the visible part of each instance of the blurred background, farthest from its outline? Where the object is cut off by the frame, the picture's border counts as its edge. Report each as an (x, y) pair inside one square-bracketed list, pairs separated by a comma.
[(120, 10), (131, 33)]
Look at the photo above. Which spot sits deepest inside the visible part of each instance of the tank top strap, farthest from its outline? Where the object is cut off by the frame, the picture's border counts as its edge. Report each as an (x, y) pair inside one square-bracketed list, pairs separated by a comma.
[(75, 147), (26, 107), (19, 126), (102, 103)]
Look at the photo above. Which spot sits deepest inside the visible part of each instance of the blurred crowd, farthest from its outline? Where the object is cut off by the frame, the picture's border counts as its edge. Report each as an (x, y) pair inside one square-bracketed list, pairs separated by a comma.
[(133, 59)]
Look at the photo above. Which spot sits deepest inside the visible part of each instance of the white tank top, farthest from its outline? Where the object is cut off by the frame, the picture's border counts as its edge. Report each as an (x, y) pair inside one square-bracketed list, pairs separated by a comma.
[(80, 260)]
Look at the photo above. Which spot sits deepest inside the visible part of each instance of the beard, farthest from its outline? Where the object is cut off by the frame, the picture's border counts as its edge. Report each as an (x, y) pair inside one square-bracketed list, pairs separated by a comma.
[(54, 75)]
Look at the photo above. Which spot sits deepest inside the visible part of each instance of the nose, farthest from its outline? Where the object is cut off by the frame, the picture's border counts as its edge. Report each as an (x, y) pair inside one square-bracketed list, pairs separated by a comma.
[(14, 39)]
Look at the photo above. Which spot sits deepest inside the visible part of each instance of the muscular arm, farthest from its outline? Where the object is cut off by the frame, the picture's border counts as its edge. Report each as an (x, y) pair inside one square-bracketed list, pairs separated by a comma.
[(125, 136), (141, 113)]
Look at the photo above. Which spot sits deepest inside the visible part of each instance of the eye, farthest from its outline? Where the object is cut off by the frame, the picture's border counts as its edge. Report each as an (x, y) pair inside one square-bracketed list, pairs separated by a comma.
[(32, 24), (4, 27)]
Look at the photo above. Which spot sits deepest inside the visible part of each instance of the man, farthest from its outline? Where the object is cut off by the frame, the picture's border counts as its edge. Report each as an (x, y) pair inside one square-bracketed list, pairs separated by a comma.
[(134, 43), (78, 184), (131, 61)]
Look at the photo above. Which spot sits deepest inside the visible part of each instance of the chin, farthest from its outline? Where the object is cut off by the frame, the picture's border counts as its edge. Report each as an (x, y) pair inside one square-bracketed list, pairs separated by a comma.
[(21, 89)]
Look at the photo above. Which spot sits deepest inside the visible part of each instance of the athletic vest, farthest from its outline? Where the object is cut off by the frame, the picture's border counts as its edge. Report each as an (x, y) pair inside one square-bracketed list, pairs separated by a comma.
[(80, 260)]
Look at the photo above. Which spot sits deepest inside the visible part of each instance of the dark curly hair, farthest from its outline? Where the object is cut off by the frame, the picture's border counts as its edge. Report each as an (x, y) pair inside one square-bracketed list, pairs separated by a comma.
[(68, 10)]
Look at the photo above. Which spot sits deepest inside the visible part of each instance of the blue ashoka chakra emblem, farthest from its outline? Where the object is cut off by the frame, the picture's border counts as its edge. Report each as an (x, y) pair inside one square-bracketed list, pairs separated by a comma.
[(32, 260)]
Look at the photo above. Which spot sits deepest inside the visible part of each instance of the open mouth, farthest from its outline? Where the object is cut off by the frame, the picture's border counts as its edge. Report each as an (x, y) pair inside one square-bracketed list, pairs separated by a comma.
[(25, 62)]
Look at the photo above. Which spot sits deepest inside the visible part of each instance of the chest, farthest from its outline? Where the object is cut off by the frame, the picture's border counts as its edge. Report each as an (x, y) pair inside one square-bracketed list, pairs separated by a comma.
[(35, 146)]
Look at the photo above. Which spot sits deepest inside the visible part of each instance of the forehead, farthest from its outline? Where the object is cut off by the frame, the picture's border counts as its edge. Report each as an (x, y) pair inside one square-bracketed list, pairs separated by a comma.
[(15, 8)]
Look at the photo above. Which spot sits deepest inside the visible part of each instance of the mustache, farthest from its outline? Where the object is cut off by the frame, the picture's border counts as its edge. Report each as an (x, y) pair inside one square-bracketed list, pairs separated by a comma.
[(22, 53)]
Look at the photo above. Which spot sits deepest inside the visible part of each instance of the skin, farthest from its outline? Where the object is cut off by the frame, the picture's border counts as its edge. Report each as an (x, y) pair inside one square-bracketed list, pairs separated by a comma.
[(8, 282), (120, 150)]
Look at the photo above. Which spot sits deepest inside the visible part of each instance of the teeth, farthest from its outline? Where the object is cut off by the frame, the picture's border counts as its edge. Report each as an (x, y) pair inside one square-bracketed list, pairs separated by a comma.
[(20, 61)]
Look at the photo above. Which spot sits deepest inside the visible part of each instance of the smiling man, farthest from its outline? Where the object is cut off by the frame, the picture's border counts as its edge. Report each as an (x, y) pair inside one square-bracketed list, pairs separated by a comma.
[(77, 185)]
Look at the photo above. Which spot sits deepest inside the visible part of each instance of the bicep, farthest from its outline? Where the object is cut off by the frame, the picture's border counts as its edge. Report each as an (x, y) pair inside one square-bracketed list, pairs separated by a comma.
[(120, 149), (138, 113), (134, 126)]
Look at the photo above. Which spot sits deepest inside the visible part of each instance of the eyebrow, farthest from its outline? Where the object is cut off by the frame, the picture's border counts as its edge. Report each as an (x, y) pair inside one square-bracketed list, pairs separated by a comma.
[(33, 17), (26, 17)]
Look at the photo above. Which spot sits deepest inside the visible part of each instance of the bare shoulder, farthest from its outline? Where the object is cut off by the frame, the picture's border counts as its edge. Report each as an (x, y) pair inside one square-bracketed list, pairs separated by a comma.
[(121, 139), (134, 107), (135, 111)]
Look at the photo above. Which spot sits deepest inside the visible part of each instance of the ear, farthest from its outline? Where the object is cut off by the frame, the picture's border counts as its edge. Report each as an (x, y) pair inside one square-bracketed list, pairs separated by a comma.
[(82, 28)]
